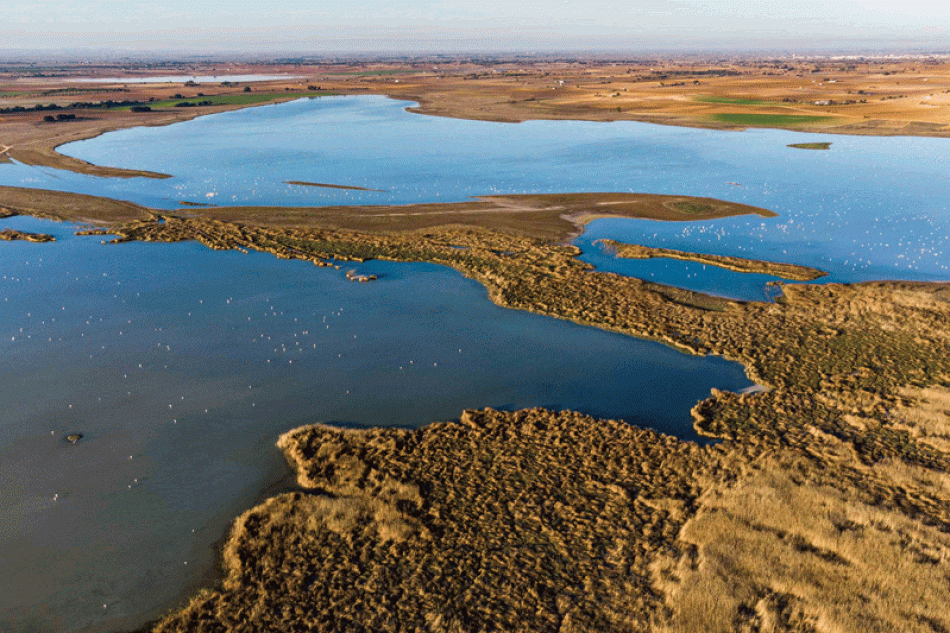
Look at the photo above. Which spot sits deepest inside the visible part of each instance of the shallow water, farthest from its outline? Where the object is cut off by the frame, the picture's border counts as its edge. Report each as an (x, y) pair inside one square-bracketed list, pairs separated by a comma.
[(868, 208), (181, 365)]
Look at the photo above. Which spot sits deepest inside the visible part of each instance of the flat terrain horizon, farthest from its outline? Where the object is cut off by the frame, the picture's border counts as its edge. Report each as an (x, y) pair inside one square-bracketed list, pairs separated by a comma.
[(852, 95), (823, 506)]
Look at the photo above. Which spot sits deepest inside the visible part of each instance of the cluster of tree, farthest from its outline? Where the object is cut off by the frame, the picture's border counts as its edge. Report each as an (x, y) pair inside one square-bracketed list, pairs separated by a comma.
[(39, 107), (80, 105), (191, 104), (49, 118)]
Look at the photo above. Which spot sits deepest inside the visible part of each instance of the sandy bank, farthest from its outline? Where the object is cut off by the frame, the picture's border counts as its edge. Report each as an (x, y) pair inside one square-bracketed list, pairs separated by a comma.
[(549, 216)]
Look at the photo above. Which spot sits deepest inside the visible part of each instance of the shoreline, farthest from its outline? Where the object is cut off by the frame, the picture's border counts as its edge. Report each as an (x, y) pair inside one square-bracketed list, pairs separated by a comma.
[(43, 151), (535, 512)]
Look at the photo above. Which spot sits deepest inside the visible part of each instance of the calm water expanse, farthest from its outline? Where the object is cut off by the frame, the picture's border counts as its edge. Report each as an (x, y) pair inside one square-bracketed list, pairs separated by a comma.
[(181, 365)]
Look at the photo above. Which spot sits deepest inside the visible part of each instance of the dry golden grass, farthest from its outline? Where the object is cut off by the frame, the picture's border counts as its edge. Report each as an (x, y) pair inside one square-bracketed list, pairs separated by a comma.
[(926, 416), (739, 264), (501, 522), (785, 548)]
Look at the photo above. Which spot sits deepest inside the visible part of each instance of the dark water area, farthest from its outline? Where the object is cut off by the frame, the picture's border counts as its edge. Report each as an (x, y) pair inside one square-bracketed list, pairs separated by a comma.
[(181, 365)]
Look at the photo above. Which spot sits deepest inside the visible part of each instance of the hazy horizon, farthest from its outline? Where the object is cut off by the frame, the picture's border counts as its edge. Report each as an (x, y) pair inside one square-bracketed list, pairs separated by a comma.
[(451, 26)]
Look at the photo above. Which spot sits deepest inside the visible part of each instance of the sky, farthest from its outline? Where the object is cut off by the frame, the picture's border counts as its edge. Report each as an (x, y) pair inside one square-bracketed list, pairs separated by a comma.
[(398, 26)]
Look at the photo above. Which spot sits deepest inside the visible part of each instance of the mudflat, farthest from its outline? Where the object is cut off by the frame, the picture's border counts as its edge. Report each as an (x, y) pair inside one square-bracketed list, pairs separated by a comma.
[(552, 216)]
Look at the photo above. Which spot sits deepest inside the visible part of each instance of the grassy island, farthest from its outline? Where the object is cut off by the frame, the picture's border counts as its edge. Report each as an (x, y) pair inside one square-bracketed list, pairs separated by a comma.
[(738, 264), (824, 145)]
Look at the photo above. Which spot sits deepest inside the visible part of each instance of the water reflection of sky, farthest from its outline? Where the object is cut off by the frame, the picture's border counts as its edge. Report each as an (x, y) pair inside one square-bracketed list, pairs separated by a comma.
[(869, 208)]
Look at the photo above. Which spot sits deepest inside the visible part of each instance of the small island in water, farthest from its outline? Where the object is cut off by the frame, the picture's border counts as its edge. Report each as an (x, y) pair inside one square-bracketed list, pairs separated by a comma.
[(823, 145)]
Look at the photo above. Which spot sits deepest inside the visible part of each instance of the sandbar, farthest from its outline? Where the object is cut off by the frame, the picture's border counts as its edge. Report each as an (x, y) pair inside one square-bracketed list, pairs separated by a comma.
[(737, 264)]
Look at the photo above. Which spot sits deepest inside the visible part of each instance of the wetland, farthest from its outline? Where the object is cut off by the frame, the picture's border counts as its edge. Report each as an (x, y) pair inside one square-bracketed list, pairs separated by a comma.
[(844, 365)]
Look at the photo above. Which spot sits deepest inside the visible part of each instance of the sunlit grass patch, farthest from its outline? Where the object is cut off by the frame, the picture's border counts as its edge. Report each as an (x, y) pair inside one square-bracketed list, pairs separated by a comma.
[(735, 101), (769, 120)]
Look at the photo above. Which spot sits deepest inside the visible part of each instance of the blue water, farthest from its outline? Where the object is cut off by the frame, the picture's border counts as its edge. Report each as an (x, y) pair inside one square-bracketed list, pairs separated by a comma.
[(869, 208), (181, 366)]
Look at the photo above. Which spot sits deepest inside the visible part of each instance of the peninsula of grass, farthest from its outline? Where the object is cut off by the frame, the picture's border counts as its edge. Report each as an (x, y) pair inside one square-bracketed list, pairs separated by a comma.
[(750, 119), (811, 145), (737, 264)]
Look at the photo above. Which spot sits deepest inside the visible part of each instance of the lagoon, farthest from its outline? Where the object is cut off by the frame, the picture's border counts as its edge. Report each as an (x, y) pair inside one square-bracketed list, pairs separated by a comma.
[(869, 208)]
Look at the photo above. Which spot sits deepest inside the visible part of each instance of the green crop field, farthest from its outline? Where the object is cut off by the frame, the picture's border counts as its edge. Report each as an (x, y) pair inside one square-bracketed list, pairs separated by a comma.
[(769, 120), (731, 101)]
